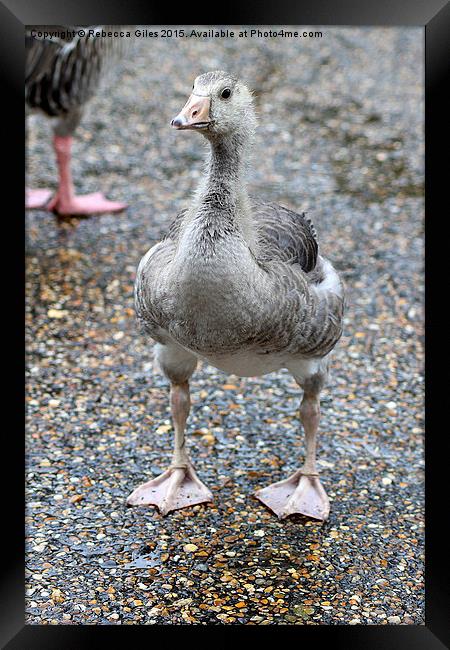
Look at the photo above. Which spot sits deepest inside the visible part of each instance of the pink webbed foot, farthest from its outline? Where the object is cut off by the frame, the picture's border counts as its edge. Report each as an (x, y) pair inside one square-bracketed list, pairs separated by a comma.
[(35, 199), (88, 204), (300, 493), (176, 488)]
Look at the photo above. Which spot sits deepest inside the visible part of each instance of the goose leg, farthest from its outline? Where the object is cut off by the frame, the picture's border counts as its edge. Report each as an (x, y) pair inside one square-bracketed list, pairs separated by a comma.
[(65, 201), (302, 492), (179, 486)]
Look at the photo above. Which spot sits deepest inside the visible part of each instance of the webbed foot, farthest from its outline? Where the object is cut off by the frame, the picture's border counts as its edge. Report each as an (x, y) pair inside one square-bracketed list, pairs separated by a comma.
[(300, 493), (35, 199), (176, 488), (88, 204)]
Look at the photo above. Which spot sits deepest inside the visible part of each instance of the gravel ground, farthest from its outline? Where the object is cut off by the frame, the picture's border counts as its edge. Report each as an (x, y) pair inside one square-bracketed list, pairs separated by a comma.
[(340, 136)]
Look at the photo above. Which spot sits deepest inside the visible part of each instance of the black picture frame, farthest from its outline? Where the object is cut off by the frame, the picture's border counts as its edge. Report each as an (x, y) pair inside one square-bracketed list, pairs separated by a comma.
[(434, 16)]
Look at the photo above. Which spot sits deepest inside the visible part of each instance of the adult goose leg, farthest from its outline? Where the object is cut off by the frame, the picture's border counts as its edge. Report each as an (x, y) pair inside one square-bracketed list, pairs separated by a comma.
[(302, 492), (179, 486), (65, 201)]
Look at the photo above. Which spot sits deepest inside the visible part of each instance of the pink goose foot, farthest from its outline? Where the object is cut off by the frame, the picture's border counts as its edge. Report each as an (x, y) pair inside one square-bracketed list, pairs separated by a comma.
[(35, 199), (95, 203), (176, 488), (300, 493)]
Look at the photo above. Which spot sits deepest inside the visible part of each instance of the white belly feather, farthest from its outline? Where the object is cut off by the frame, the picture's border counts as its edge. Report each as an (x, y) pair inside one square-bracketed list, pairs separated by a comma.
[(247, 364)]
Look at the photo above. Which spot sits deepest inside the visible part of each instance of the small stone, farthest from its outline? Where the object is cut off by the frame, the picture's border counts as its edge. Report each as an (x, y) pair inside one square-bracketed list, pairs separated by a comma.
[(57, 596), (164, 428), (394, 620), (76, 498), (190, 548), (56, 313)]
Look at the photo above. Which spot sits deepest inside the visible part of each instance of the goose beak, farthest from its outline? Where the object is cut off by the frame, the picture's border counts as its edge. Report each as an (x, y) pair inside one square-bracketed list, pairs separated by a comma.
[(194, 115)]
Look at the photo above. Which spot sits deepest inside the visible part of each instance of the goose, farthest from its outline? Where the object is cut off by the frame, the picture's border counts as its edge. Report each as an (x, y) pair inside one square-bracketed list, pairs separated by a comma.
[(62, 74), (240, 284)]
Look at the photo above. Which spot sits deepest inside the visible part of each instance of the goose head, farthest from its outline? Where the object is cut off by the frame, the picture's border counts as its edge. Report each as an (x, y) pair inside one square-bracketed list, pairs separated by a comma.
[(219, 106)]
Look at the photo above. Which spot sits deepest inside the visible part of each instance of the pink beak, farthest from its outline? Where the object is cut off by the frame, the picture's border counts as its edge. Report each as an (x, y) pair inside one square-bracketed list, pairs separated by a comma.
[(194, 115)]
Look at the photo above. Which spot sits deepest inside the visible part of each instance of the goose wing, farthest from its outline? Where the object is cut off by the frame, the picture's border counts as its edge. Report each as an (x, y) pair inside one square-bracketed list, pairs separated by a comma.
[(285, 235)]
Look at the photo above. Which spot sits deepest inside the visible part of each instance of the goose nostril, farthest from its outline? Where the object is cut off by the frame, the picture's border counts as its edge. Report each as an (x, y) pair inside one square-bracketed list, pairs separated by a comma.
[(194, 113)]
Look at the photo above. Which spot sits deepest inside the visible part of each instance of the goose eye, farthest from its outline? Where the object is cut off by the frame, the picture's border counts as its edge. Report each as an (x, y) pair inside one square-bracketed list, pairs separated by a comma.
[(226, 92)]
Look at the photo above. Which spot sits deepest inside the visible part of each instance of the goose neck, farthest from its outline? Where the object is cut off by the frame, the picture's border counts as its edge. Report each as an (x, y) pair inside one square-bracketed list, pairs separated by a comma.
[(224, 183)]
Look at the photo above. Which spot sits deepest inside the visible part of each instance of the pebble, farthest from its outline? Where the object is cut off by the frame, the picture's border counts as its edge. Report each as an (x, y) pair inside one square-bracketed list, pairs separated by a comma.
[(190, 548), (394, 620)]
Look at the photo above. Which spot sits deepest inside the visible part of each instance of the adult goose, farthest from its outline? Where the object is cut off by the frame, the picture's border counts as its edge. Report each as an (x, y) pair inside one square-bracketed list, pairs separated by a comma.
[(62, 74), (241, 284)]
